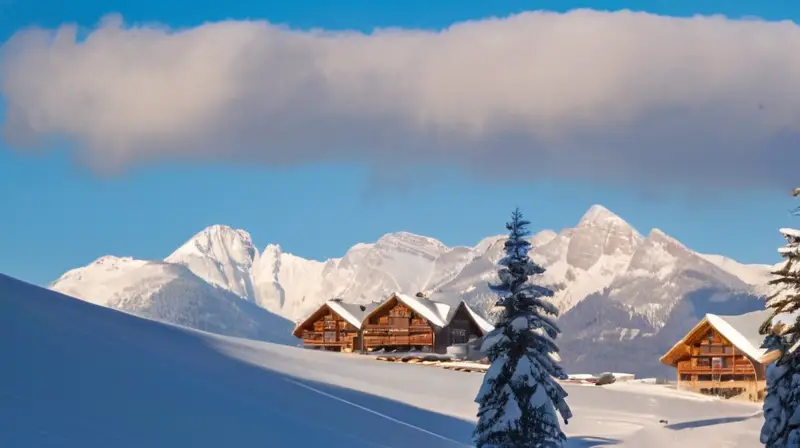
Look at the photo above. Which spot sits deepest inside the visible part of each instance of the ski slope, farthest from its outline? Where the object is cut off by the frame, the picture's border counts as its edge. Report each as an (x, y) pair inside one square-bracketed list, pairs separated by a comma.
[(77, 375)]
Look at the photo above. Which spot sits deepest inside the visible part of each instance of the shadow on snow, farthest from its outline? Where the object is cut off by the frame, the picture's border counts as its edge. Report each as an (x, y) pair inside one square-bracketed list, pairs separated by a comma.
[(711, 422), (79, 375)]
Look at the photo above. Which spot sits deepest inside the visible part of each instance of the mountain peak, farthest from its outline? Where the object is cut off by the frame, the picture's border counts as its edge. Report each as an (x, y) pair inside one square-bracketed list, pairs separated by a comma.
[(215, 240), (659, 235), (220, 255), (597, 214), (411, 239)]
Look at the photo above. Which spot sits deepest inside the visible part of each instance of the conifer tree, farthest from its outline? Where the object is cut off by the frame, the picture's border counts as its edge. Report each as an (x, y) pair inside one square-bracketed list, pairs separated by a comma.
[(781, 427), (519, 395)]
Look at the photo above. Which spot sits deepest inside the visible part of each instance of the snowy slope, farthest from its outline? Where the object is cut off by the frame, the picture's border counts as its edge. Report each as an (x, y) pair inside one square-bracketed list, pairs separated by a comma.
[(171, 293), (83, 376)]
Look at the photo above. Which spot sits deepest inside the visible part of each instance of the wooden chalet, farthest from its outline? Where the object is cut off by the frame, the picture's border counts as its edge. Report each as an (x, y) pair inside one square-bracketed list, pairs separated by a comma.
[(335, 326), (721, 356), (417, 323)]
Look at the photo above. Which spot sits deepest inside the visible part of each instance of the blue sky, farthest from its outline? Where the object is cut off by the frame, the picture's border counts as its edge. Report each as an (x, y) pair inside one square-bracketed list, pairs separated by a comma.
[(56, 214)]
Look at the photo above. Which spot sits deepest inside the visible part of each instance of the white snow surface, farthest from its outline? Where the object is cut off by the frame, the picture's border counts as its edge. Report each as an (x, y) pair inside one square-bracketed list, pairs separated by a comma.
[(83, 376)]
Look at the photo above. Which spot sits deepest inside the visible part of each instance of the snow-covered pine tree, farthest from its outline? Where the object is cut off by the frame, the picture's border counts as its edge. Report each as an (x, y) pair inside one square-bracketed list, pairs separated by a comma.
[(519, 395), (782, 333)]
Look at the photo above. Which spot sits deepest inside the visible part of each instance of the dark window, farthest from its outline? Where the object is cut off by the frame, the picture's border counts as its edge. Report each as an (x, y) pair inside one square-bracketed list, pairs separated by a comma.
[(330, 336), (458, 336)]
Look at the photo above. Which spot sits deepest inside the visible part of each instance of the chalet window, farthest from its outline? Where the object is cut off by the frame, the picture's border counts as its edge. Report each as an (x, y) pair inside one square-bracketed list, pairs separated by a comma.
[(400, 311), (458, 336), (710, 336), (310, 335), (703, 362), (718, 363), (330, 324), (727, 350), (418, 321), (330, 336), (686, 377)]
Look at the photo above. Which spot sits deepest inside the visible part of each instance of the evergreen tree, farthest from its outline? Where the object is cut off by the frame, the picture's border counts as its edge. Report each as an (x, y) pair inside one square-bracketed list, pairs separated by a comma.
[(782, 333), (519, 395)]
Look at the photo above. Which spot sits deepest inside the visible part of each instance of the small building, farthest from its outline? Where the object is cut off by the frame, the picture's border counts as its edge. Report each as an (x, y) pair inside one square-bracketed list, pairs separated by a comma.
[(417, 323), (334, 326), (721, 355)]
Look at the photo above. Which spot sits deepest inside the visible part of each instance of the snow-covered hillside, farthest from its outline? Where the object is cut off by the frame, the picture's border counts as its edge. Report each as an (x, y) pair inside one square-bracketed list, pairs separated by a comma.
[(640, 281), (172, 293), (76, 375)]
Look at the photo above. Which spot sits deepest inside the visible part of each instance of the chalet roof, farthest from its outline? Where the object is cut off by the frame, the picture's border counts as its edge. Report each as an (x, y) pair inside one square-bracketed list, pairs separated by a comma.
[(741, 331), (482, 323), (438, 313), (435, 312), (351, 312)]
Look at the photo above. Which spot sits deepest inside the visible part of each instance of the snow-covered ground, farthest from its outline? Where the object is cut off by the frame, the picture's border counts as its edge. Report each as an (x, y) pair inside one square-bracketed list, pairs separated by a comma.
[(79, 375)]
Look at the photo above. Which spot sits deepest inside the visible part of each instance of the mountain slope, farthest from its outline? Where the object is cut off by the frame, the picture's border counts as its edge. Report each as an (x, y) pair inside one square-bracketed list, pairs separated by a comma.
[(639, 280), (171, 293), (83, 376)]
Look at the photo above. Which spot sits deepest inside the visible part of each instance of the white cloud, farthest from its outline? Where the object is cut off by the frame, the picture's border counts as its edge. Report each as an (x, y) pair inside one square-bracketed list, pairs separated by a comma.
[(619, 96)]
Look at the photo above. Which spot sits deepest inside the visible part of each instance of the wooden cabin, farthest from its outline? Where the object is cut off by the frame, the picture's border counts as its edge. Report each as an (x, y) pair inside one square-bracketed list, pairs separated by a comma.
[(417, 323), (334, 326), (721, 355)]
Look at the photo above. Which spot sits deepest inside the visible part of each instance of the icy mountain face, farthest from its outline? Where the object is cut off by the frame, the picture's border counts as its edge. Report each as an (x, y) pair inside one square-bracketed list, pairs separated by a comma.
[(171, 293), (222, 256)]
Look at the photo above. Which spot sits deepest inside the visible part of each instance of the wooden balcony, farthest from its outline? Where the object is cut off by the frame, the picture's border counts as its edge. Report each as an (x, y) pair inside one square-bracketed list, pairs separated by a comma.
[(739, 370), (374, 341), (383, 329)]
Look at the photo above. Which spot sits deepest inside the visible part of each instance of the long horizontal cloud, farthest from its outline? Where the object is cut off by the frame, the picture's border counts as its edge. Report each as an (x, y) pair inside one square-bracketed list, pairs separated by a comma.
[(618, 96)]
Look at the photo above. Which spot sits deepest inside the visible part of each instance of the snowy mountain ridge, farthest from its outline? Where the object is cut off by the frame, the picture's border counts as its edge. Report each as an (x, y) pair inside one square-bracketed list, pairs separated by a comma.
[(601, 264)]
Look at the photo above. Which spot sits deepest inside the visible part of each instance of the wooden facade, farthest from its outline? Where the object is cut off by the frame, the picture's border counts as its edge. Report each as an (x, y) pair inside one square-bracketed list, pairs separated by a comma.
[(328, 330), (398, 325), (707, 362)]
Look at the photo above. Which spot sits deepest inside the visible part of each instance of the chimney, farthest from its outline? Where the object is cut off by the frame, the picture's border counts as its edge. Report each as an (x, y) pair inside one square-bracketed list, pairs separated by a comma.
[(363, 308), (422, 295), (336, 299)]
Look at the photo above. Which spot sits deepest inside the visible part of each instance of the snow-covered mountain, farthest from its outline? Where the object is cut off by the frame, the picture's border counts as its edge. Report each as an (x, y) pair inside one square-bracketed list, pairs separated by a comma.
[(611, 282), (171, 293)]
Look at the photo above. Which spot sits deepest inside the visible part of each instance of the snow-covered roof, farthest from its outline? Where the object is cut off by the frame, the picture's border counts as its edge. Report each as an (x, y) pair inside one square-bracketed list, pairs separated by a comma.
[(351, 312), (483, 323), (438, 313), (741, 331), (435, 312)]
